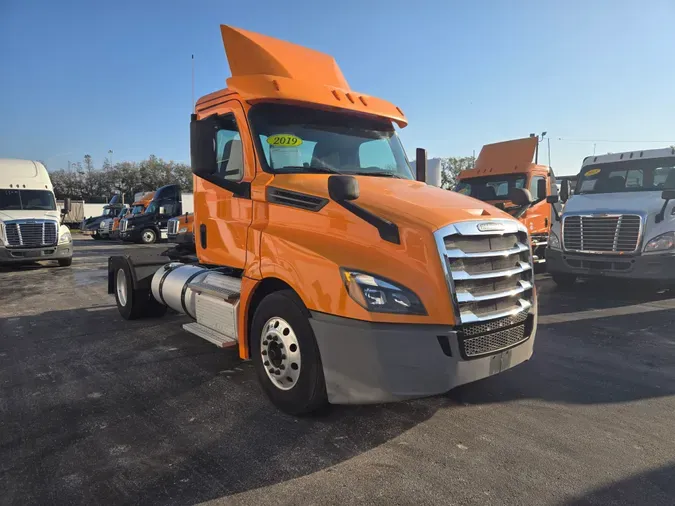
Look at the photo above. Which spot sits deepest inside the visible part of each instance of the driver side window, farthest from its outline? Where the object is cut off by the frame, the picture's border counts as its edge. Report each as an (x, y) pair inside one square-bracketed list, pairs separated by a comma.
[(229, 154)]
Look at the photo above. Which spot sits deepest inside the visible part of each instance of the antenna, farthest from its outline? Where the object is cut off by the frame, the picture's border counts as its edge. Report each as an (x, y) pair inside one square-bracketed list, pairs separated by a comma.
[(193, 83)]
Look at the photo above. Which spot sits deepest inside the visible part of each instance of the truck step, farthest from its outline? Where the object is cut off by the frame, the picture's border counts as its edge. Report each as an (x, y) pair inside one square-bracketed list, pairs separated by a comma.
[(220, 340), (218, 285)]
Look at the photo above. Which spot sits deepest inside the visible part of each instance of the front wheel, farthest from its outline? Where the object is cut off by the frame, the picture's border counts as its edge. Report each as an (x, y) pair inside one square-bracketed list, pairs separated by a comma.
[(96, 236), (148, 236), (286, 356), (65, 262), (564, 281)]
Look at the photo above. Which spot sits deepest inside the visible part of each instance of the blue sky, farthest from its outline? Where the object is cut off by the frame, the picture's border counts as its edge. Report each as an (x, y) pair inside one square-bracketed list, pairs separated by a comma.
[(84, 77)]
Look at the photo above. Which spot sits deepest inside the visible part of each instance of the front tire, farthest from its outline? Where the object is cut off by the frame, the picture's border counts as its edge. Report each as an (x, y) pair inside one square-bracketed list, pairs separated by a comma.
[(65, 262), (96, 236), (286, 356), (564, 281), (134, 303), (148, 236)]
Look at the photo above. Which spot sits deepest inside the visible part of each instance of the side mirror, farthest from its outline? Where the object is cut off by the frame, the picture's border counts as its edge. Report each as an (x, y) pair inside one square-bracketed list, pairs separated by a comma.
[(552, 199), (565, 190), (667, 196), (421, 165), (542, 189), (520, 197), (66, 206), (203, 146), (341, 188)]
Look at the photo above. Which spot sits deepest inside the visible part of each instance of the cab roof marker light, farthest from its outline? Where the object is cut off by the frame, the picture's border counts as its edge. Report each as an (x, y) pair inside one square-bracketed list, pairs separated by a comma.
[(363, 100), (336, 95)]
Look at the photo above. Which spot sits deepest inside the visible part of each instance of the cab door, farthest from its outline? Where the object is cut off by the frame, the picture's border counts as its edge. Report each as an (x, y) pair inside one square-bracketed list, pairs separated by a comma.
[(537, 219), (222, 200)]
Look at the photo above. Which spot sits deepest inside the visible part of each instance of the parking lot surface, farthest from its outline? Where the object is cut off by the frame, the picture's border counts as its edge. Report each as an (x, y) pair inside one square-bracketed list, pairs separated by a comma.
[(95, 409)]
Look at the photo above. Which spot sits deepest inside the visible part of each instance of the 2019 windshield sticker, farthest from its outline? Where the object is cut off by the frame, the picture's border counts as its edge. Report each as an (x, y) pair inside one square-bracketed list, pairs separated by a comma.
[(591, 172), (284, 140)]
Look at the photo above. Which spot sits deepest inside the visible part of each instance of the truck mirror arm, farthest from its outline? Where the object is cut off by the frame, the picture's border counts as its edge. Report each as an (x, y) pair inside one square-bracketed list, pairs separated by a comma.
[(662, 213), (388, 231)]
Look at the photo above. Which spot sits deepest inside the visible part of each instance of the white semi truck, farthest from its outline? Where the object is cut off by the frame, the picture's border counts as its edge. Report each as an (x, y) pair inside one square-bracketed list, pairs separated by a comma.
[(30, 222), (620, 222)]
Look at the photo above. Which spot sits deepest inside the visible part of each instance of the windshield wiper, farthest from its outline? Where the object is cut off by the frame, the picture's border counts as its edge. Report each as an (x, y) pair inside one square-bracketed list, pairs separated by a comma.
[(319, 170), (374, 174)]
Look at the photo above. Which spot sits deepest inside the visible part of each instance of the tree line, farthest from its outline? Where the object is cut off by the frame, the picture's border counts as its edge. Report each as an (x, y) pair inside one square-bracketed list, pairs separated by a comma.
[(85, 182)]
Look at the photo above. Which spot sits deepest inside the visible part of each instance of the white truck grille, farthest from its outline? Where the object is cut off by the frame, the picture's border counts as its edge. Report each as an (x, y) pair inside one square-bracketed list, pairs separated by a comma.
[(605, 233), (31, 234), (123, 225)]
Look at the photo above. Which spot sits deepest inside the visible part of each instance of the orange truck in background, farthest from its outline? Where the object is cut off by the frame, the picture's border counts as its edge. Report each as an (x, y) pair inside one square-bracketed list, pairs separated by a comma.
[(321, 256), (506, 176), (180, 230), (138, 207)]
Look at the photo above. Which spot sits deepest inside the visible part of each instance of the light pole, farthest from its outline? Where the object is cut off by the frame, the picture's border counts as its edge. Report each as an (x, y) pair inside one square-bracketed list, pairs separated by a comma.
[(110, 153)]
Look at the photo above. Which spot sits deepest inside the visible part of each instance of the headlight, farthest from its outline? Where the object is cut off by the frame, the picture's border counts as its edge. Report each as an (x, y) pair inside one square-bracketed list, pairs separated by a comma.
[(553, 241), (3, 234), (661, 242), (182, 230), (65, 238), (379, 295)]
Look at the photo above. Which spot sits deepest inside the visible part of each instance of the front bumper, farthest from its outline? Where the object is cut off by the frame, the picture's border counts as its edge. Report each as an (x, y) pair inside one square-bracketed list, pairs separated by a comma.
[(367, 363), (131, 235), (29, 255), (653, 267)]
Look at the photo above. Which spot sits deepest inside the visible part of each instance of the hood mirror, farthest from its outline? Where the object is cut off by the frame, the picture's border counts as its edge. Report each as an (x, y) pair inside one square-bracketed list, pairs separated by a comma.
[(421, 165), (667, 196), (565, 190), (342, 188), (520, 197)]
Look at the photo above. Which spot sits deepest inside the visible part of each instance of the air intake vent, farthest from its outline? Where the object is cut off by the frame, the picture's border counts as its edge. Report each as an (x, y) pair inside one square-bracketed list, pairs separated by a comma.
[(295, 199)]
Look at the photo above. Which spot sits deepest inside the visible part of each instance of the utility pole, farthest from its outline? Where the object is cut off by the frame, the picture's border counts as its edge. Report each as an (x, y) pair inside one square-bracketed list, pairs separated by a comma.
[(549, 152), (193, 84)]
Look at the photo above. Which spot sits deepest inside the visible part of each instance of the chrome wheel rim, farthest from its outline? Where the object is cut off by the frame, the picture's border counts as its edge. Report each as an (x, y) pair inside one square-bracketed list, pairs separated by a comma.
[(122, 287), (148, 236), (280, 353)]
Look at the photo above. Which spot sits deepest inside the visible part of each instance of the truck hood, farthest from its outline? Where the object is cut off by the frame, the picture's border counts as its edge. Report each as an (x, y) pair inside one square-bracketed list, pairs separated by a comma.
[(29, 215), (406, 201), (641, 203)]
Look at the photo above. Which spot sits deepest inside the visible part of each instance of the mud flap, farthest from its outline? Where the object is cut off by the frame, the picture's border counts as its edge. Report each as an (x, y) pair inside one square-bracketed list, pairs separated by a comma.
[(142, 268)]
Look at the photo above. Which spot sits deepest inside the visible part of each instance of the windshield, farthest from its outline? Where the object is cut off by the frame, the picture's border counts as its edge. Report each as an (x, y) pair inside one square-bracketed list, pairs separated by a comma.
[(654, 174), (27, 200), (490, 187), (137, 210), (152, 208), (107, 211), (296, 139)]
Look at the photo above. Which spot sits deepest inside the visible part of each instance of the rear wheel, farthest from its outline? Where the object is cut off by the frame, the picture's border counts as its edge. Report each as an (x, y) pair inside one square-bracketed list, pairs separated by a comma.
[(134, 303), (65, 262), (286, 356), (148, 236), (564, 281)]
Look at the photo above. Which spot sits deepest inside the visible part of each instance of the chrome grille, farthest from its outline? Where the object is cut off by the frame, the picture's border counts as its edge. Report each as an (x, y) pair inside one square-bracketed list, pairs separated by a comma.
[(31, 234), (606, 233), (489, 273), (172, 227), (123, 225), (494, 342), (493, 325)]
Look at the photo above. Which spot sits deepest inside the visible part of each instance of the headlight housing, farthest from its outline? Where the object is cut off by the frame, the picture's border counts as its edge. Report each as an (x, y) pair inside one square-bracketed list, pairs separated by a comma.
[(65, 238), (182, 230), (553, 241), (661, 242), (379, 295)]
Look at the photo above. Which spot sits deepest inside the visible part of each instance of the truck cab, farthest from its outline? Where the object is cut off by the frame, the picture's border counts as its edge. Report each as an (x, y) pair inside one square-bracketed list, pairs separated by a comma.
[(150, 226), (92, 226), (30, 223), (506, 176), (140, 204), (322, 256), (620, 222)]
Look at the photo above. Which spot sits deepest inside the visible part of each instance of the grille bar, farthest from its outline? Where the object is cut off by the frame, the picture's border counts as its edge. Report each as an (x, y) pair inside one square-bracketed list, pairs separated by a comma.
[(462, 275), (518, 248), (469, 297)]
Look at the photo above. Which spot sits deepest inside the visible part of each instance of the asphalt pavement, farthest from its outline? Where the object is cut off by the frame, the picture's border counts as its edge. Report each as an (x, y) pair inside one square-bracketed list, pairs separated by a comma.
[(98, 410)]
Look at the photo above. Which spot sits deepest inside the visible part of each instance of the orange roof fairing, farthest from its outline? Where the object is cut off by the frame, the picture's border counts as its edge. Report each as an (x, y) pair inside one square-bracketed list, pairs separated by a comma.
[(265, 68), (504, 158)]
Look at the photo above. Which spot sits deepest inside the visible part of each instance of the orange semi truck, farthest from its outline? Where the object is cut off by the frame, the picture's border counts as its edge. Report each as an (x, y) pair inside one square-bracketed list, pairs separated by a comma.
[(506, 176), (320, 257)]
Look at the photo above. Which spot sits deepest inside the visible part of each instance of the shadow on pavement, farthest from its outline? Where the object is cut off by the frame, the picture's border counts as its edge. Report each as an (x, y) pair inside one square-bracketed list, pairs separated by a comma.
[(653, 488), (97, 409)]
